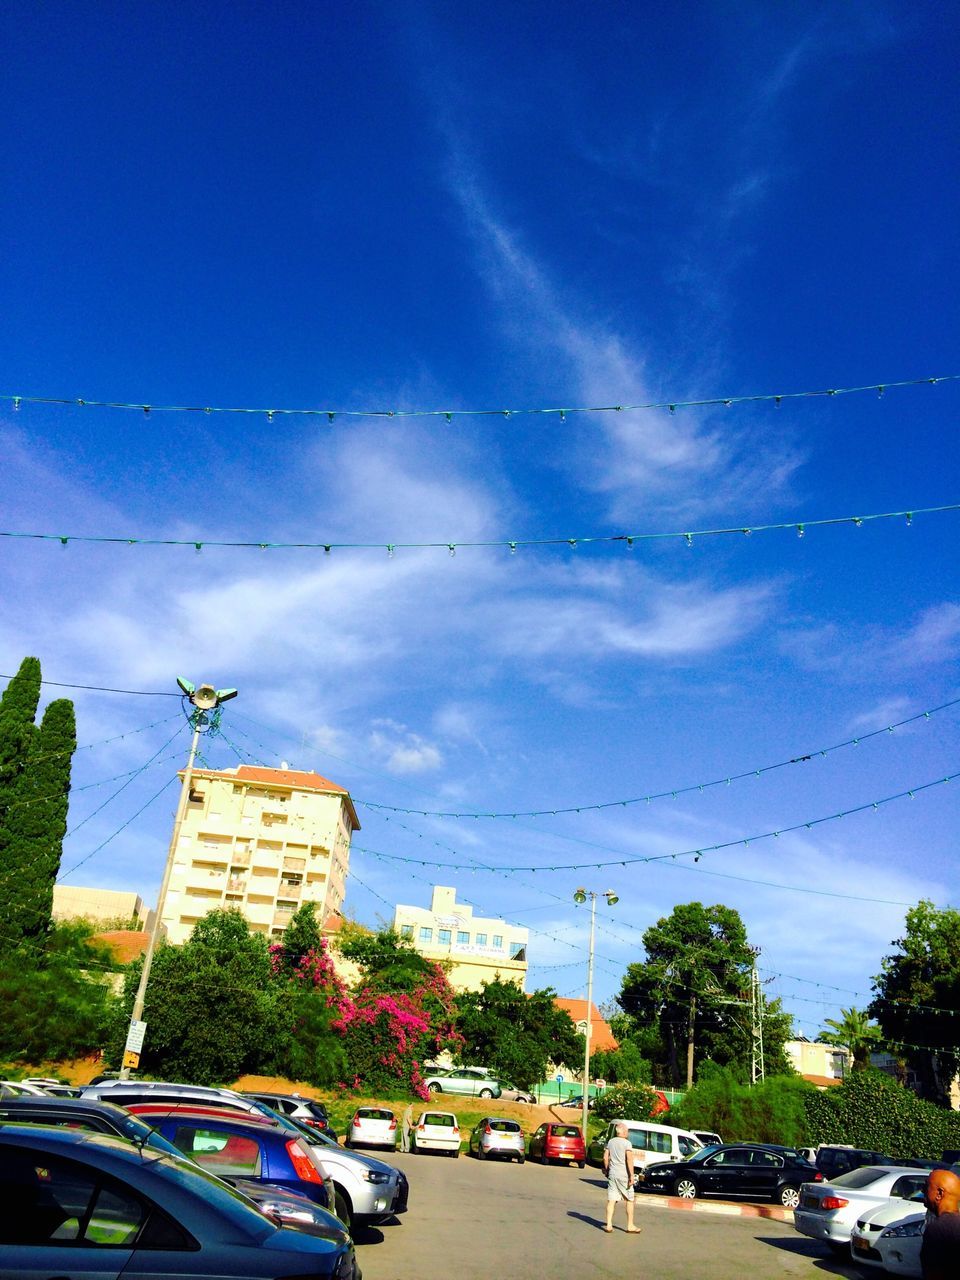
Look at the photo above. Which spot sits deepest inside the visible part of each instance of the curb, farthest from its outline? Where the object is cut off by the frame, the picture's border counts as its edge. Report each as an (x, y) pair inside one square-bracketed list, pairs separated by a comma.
[(772, 1211)]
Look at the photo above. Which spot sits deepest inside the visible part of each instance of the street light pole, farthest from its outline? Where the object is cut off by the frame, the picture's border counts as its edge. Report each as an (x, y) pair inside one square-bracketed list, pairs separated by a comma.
[(580, 897), (204, 699)]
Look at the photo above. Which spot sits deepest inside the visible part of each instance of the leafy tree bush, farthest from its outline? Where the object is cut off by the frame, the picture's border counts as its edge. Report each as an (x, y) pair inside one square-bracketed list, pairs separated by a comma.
[(627, 1102), (213, 1010), (514, 1034), (625, 1065), (871, 1110), (58, 1004), (773, 1110)]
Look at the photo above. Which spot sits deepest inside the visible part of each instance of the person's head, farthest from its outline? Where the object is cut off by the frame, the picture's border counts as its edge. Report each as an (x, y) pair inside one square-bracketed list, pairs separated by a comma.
[(621, 1131), (943, 1192)]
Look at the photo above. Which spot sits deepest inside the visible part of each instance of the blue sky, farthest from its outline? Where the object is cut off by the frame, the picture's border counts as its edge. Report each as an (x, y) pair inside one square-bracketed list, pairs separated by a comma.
[(482, 206)]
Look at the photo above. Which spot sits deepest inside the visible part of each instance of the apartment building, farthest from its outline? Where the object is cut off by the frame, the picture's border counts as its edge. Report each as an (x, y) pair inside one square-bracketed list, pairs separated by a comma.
[(72, 902), (262, 840), (479, 948)]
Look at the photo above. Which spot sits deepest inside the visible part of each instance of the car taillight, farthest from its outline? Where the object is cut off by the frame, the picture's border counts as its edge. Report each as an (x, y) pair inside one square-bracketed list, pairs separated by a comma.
[(303, 1166), (393, 1123), (817, 1177), (833, 1202), (356, 1119)]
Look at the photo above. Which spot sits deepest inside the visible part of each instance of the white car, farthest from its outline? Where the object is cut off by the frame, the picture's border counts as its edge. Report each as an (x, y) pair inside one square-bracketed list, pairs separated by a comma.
[(21, 1089), (372, 1127), (437, 1131), (828, 1211), (889, 1238)]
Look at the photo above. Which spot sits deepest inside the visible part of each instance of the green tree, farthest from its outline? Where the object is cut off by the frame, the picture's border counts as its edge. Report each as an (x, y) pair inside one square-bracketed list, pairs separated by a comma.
[(57, 1005), (625, 1065), (853, 1031), (213, 1007), (774, 1110), (514, 1034), (34, 789), (390, 963), (693, 987), (917, 1000)]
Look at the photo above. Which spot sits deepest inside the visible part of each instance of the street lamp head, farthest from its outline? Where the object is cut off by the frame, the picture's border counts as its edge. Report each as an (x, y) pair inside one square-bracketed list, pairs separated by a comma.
[(205, 697), (188, 687), (611, 897), (580, 896), (224, 695)]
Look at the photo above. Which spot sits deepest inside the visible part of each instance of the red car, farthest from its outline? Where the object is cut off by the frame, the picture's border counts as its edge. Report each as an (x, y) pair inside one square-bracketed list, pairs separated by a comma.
[(558, 1142)]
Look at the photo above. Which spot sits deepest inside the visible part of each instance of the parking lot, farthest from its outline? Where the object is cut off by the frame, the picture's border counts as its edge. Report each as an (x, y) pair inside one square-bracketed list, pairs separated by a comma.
[(471, 1220)]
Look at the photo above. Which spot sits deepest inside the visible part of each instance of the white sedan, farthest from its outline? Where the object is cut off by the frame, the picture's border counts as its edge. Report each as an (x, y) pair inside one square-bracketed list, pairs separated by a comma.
[(828, 1211), (889, 1238)]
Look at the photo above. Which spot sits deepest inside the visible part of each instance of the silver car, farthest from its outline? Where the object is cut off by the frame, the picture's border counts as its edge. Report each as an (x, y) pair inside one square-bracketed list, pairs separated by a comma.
[(496, 1136), (465, 1080)]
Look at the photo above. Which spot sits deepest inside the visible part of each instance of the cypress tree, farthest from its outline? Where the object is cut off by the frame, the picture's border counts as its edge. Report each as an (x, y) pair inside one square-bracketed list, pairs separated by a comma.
[(33, 810)]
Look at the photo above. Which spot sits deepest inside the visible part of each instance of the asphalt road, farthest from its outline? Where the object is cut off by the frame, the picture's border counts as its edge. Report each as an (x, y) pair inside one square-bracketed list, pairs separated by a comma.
[(470, 1220)]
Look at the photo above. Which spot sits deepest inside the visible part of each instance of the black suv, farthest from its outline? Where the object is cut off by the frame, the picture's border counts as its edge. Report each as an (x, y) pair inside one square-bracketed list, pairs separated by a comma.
[(834, 1160)]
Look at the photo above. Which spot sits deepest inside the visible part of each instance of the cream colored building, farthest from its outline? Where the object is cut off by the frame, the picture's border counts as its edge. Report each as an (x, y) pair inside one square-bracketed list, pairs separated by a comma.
[(479, 948), (821, 1063), (264, 841), (71, 902)]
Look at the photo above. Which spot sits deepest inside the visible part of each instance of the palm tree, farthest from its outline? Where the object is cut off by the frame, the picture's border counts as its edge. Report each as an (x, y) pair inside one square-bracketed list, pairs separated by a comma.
[(856, 1032)]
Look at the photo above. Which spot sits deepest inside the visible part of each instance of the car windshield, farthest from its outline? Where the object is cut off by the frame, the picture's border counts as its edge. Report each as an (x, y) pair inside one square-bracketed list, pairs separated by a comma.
[(374, 1113), (439, 1118), (566, 1131), (859, 1177), (504, 1126)]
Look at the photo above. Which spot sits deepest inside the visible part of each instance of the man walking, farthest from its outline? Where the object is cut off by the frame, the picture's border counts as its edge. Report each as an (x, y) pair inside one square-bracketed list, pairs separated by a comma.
[(406, 1127), (618, 1166), (940, 1251)]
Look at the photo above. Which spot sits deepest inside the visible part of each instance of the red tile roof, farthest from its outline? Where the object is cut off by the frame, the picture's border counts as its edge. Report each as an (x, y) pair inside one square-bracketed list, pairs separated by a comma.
[(296, 779), (601, 1037), (126, 944), (822, 1082)]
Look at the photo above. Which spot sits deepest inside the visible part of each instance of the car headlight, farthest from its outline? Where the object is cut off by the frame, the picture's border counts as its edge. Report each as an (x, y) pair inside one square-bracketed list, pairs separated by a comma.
[(904, 1229), (375, 1175)]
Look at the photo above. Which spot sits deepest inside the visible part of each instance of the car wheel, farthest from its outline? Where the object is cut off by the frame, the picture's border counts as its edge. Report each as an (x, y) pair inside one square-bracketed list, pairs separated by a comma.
[(433, 1087), (789, 1197), (685, 1188), (520, 1159), (481, 1154), (456, 1153), (486, 1093), (341, 1207), (581, 1163), (544, 1158)]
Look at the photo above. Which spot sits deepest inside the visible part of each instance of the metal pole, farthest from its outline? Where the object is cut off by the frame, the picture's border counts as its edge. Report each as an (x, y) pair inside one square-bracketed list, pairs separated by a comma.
[(586, 1052), (198, 721)]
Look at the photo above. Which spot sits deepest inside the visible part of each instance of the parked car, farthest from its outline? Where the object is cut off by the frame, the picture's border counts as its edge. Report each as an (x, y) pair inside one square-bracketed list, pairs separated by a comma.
[(577, 1102), (495, 1136), (233, 1146), (106, 1117), (510, 1093), (124, 1092), (80, 1203), (755, 1170), (889, 1237), (437, 1131), (309, 1110), (466, 1080), (829, 1211), (832, 1160), (558, 1142), (710, 1139), (652, 1144), (367, 1190), (21, 1088), (372, 1127)]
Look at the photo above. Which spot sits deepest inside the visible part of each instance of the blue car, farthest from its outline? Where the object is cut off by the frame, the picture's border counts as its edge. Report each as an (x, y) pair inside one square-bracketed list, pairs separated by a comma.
[(80, 1204), (237, 1146)]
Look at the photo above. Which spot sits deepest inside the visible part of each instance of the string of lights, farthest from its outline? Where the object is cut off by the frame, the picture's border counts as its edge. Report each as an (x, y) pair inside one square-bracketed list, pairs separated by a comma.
[(555, 411), (513, 545), (698, 853), (154, 759), (671, 792), (103, 843), (911, 1004)]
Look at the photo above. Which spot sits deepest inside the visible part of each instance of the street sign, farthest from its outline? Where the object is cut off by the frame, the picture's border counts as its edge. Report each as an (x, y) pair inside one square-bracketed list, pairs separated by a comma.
[(601, 1084), (131, 1059), (559, 1079), (135, 1036)]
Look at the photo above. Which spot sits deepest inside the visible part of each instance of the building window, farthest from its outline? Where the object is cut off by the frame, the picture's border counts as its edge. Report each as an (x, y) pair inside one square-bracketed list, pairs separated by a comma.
[(481, 939), (443, 937), (498, 941), (406, 931), (426, 935), (463, 938)]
